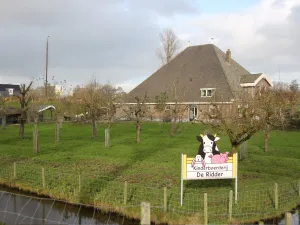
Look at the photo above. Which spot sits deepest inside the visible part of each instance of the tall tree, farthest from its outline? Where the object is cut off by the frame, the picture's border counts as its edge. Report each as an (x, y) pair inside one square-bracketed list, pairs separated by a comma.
[(170, 44), (293, 96), (294, 86), (24, 100)]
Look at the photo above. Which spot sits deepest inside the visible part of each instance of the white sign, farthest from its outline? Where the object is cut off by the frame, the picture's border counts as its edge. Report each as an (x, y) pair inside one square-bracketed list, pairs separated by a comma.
[(197, 169)]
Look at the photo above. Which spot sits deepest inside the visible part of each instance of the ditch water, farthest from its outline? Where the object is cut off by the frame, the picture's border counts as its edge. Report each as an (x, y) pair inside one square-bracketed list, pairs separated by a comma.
[(16, 208), (281, 221)]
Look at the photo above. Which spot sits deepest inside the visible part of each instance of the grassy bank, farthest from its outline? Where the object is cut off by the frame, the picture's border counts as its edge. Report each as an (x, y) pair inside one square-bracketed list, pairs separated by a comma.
[(79, 169)]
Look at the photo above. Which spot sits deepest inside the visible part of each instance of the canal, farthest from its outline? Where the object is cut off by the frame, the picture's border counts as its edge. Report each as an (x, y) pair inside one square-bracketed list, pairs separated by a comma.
[(16, 208)]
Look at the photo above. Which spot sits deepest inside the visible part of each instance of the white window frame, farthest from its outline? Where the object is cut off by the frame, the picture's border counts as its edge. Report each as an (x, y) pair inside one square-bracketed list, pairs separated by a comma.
[(206, 92), (10, 91)]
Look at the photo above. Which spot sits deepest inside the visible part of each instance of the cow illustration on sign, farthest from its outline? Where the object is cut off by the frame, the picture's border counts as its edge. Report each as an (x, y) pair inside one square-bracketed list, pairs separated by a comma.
[(208, 151)]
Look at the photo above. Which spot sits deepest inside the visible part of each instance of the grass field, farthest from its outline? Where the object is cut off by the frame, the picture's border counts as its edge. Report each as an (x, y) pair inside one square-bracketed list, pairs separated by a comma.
[(155, 163)]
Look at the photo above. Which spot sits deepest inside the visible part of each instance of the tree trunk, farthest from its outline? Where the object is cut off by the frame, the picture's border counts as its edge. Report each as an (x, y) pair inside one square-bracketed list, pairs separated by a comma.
[(138, 131), (35, 137), (267, 132), (233, 149), (3, 122), (94, 130), (57, 132), (107, 137), (21, 130), (174, 126)]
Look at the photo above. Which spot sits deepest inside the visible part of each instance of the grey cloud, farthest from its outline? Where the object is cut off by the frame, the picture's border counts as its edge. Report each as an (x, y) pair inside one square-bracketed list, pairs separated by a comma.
[(117, 39)]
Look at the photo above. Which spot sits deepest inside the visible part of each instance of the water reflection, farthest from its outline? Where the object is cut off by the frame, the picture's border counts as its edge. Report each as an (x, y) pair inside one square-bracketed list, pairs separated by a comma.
[(19, 209)]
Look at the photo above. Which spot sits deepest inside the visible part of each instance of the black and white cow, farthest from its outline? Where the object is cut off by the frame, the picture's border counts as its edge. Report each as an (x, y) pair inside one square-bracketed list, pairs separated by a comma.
[(208, 147)]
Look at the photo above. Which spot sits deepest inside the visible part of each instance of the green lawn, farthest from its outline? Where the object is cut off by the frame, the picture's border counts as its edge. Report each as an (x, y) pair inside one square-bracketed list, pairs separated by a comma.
[(148, 167)]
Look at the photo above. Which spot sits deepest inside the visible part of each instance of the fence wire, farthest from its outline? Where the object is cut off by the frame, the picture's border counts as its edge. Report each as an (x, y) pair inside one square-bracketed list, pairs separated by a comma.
[(103, 192)]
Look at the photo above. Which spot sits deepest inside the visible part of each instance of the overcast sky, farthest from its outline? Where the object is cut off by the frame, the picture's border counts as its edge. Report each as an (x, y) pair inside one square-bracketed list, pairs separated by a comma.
[(115, 40)]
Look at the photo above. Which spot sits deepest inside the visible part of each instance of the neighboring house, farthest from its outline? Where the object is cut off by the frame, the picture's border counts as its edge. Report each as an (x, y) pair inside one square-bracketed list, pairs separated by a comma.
[(59, 89), (201, 75), (12, 115), (7, 90)]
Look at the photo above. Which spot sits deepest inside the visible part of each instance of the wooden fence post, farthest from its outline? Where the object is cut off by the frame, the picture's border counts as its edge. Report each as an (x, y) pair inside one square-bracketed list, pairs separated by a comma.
[(145, 213), (288, 218), (107, 137), (125, 192), (230, 205), (15, 170), (43, 177), (205, 210), (165, 199), (276, 195), (79, 183)]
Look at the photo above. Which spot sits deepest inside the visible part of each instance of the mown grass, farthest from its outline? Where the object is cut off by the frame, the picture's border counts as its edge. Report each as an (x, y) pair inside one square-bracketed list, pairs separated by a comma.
[(148, 167)]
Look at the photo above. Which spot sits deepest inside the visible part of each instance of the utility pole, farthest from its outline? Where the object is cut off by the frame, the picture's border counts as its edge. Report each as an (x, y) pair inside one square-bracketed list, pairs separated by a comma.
[(46, 84)]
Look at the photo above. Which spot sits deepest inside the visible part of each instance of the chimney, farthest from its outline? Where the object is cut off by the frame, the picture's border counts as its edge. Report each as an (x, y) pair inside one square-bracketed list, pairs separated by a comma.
[(228, 55)]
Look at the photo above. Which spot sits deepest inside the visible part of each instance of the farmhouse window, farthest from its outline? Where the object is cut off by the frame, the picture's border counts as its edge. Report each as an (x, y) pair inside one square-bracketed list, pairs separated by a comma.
[(207, 92), (193, 112)]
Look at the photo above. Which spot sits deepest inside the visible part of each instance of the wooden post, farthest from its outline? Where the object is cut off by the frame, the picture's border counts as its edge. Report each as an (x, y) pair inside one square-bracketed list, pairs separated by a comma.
[(230, 205), (165, 199), (125, 192), (288, 218), (276, 195), (261, 223), (43, 177), (35, 136), (107, 137), (57, 132), (3, 121), (145, 213), (79, 183), (205, 210), (15, 170)]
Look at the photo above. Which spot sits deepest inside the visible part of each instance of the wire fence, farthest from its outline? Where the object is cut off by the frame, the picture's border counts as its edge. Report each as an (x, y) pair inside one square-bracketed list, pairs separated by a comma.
[(109, 195)]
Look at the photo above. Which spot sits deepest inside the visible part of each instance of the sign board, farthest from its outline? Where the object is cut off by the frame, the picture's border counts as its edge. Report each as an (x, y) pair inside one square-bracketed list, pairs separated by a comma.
[(209, 163)]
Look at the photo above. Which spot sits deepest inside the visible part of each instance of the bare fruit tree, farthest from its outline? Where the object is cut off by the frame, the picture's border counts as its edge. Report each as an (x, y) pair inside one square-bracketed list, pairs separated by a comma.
[(170, 45), (62, 104), (92, 101), (24, 100), (271, 104), (138, 111), (240, 120), (111, 99), (176, 109)]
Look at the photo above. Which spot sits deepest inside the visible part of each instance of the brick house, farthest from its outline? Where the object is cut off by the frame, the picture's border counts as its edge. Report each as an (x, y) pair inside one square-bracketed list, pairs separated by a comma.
[(202, 75)]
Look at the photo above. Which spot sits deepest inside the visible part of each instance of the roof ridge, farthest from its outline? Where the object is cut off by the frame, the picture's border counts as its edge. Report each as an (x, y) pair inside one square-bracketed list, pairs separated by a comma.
[(214, 48)]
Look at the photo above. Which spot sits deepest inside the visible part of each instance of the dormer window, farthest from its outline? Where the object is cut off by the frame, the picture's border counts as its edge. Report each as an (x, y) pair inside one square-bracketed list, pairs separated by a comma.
[(207, 92), (10, 91)]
